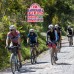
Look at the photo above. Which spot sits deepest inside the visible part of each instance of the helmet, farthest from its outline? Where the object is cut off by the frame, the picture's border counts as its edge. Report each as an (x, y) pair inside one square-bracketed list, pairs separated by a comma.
[(56, 26), (50, 26), (31, 30), (69, 26), (12, 27)]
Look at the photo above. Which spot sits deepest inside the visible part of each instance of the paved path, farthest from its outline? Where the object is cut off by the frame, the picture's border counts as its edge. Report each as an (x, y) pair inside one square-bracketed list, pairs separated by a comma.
[(65, 64)]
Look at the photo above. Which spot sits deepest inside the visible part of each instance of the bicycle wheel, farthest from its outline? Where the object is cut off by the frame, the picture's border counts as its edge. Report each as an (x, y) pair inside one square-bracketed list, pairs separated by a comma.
[(32, 56), (52, 57), (18, 65), (13, 63)]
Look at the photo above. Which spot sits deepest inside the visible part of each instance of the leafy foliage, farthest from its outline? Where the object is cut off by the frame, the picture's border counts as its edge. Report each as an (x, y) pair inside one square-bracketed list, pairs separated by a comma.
[(14, 12)]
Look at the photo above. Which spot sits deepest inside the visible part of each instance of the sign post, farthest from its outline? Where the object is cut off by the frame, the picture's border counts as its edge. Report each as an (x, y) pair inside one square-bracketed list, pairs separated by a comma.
[(35, 13)]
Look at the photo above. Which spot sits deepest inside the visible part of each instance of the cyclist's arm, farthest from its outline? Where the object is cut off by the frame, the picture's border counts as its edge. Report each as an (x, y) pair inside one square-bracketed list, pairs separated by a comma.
[(67, 32), (19, 39), (7, 41), (72, 31), (28, 40), (36, 39), (60, 35), (56, 35), (48, 38)]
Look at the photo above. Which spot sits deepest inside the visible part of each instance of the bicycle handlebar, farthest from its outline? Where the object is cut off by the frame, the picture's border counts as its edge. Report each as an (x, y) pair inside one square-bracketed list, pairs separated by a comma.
[(12, 47)]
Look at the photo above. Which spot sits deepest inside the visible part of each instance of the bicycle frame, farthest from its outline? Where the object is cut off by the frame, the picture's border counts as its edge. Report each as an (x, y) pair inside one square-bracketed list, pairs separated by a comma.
[(14, 60)]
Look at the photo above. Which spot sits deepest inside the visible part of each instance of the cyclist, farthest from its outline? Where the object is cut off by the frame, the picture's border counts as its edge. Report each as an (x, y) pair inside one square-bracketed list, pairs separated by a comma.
[(52, 36), (32, 38), (70, 32), (13, 36), (58, 29)]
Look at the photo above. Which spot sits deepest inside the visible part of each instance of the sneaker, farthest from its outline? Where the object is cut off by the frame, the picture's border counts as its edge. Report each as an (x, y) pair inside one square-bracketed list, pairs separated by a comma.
[(56, 58)]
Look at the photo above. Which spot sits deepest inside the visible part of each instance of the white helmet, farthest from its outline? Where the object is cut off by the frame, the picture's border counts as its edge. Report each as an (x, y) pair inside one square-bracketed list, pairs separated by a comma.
[(56, 26), (69, 26), (50, 26), (12, 27), (31, 30)]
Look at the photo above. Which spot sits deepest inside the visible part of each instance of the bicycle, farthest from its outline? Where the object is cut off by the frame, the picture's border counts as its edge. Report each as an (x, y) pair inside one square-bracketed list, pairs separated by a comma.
[(70, 39), (52, 47), (14, 62), (33, 53)]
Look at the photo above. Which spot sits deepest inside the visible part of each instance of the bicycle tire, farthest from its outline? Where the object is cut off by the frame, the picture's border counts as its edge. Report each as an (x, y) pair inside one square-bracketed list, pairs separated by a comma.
[(13, 64), (52, 57), (32, 56)]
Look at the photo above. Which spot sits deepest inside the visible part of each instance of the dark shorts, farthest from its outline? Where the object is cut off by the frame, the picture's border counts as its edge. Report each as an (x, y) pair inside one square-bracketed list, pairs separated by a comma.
[(16, 44), (32, 44)]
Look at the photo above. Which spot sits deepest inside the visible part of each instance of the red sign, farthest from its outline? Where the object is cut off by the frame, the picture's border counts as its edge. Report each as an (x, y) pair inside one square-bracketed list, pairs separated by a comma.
[(35, 13)]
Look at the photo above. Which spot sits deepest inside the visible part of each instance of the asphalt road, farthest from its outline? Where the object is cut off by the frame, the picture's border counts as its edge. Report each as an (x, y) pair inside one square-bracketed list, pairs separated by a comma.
[(64, 65)]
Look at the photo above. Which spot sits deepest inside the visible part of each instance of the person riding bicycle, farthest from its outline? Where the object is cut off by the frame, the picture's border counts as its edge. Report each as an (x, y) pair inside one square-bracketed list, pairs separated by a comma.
[(13, 39), (52, 36), (58, 29), (32, 37), (70, 32)]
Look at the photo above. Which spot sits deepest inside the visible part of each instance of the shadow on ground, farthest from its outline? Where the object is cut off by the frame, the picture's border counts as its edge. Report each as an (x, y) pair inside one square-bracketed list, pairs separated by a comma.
[(63, 64)]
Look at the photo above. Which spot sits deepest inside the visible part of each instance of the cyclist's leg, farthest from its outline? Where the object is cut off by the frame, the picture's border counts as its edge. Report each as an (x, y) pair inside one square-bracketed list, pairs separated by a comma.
[(59, 43), (52, 56), (36, 53), (20, 57), (36, 50), (56, 58), (18, 52), (60, 38), (31, 47), (72, 40), (55, 51), (58, 46)]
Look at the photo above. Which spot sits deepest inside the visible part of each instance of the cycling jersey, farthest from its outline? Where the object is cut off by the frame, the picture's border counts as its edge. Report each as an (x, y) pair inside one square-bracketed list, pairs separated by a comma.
[(59, 32), (32, 38), (70, 31), (13, 37), (52, 36)]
